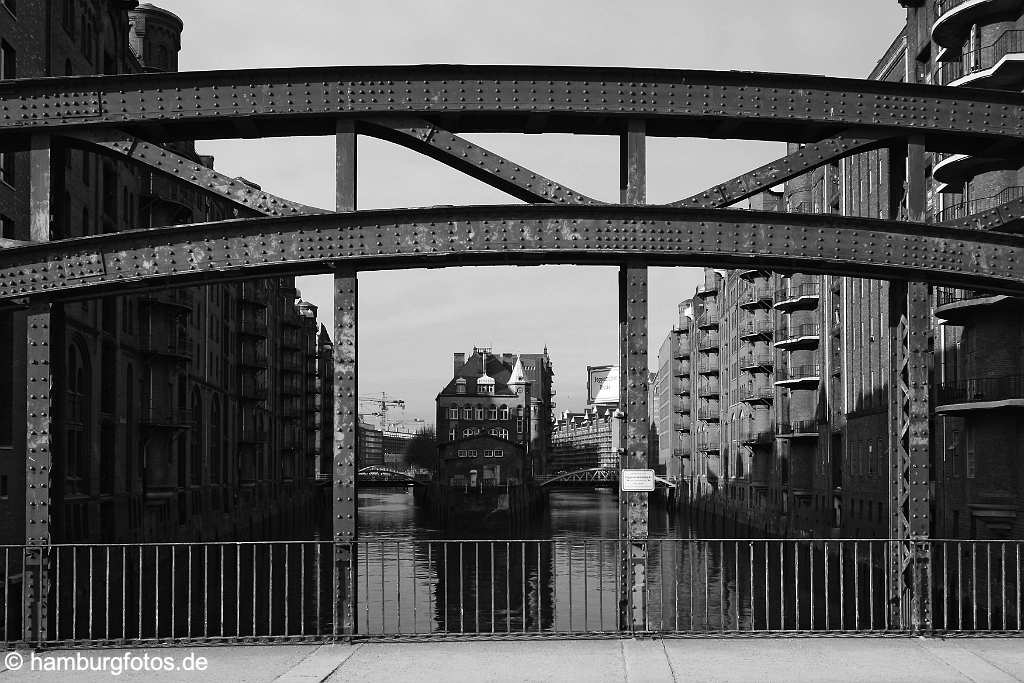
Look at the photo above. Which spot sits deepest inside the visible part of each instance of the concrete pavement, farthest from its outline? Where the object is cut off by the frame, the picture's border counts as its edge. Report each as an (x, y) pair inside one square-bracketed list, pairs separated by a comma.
[(592, 661)]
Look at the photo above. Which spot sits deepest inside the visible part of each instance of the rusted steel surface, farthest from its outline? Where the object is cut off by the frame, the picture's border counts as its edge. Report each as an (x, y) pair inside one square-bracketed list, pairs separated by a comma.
[(177, 166), (524, 234), (346, 422), (461, 154), (790, 166), (307, 100)]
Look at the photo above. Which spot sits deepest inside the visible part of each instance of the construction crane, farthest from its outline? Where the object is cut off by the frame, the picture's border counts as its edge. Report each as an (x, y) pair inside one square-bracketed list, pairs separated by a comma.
[(382, 403)]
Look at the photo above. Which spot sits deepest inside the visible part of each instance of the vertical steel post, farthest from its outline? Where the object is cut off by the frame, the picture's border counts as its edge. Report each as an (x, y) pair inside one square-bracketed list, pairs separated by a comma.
[(344, 504), (39, 397), (633, 374), (909, 325)]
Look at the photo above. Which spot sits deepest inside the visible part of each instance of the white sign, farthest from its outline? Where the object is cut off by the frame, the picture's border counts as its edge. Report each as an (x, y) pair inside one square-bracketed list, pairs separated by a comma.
[(636, 480)]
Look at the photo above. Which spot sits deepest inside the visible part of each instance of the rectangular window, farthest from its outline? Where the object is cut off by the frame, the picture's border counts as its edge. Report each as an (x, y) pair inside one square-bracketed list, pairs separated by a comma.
[(6, 227), (492, 413), (504, 413), (462, 454), (471, 454), (519, 425), (453, 413), (479, 413), (498, 453), (970, 454), (460, 388), (467, 413), (451, 434)]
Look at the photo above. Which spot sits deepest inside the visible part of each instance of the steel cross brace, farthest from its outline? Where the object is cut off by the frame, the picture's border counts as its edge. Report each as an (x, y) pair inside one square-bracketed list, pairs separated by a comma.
[(807, 158), (473, 160)]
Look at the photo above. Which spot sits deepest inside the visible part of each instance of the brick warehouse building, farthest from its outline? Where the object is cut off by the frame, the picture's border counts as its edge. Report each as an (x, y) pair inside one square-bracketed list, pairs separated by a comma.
[(802, 362), (187, 413), (494, 415)]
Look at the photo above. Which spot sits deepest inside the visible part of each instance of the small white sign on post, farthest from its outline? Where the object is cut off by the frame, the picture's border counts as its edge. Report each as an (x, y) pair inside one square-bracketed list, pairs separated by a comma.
[(636, 480)]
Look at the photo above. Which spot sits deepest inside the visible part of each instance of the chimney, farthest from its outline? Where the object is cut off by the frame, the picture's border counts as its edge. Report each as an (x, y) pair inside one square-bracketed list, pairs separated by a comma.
[(460, 360)]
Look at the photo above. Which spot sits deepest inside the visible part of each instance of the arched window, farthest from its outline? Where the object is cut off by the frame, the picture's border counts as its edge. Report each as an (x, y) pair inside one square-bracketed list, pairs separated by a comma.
[(468, 432), (499, 432), (467, 412), (503, 414), (492, 412), (479, 412)]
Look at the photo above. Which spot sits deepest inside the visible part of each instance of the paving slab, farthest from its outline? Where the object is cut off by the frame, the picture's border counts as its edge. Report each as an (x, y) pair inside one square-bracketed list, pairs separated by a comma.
[(586, 661)]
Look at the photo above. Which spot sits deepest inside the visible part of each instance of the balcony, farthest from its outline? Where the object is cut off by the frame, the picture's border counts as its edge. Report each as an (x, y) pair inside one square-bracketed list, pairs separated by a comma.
[(681, 369), (681, 405), (753, 273), (706, 290), (959, 306), (757, 363), (753, 330), (804, 336), (252, 328), (953, 170), (997, 65), (953, 19), (708, 320), (752, 438), (176, 345), (179, 297), (984, 393), (708, 442), (709, 389), (681, 349), (253, 358), (798, 376), (757, 394), (805, 429), (164, 417), (962, 210), (795, 297), (253, 390), (756, 297), (707, 341), (709, 413), (708, 366)]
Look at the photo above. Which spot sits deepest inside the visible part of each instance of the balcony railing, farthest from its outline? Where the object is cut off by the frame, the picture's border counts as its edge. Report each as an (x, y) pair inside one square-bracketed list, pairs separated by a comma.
[(757, 328), (709, 413), (756, 295), (752, 438), (981, 389), (177, 345), (789, 295), (797, 427), (707, 340), (708, 442), (757, 393), (708, 366), (708, 319), (758, 361), (791, 333), (946, 295), (786, 373), (973, 206), (981, 58), (943, 6)]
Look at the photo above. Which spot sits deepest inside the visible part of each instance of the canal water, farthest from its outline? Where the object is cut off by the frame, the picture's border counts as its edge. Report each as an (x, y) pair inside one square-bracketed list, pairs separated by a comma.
[(561, 575)]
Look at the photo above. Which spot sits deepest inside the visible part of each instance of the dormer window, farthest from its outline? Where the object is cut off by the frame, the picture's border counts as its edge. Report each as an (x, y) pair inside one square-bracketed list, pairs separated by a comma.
[(460, 386), (485, 388)]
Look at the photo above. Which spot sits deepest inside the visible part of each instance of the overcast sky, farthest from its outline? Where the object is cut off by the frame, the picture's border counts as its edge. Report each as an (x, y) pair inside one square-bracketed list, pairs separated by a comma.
[(411, 322)]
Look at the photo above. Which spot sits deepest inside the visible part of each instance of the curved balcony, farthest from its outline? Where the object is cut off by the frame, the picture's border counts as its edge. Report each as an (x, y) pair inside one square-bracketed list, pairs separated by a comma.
[(804, 336), (706, 290), (758, 296), (798, 376), (795, 297), (959, 306), (757, 363), (975, 206), (174, 346), (953, 18), (801, 429), (997, 65), (708, 413), (752, 438), (708, 366), (984, 393), (708, 442), (757, 394), (753, 273), (708, 320), (708, 341), (953, 170), (179, 298), (753, 330)]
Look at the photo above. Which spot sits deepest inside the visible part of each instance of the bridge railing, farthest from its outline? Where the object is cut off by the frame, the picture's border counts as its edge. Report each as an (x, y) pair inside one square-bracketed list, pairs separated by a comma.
[(122, 594)]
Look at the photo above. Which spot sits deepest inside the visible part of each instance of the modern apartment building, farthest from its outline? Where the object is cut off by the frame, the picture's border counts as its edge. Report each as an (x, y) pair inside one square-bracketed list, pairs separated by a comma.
[(183, 413)]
